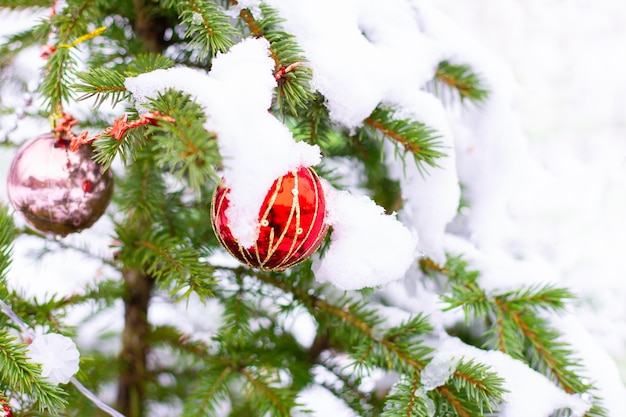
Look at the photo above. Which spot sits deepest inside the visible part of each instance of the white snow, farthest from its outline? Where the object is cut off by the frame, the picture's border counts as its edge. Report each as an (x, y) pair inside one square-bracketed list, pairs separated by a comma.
[(362, 54), (431, 198), (257, 148), (368, 248), (439, 370)]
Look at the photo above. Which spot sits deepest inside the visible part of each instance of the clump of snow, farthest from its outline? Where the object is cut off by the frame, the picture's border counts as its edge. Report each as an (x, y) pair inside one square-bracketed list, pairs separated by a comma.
[(431, 197), (368, 248), (498, 270), (362, 54), (257, 148), (323, 402), (491, 151), (438, 371)]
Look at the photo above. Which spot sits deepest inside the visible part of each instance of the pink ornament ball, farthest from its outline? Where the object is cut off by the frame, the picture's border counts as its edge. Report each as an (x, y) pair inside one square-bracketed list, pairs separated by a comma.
[(56, 190)]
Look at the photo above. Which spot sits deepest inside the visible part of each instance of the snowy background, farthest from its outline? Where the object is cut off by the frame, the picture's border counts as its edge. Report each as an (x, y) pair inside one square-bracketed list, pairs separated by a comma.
[(567, 60)]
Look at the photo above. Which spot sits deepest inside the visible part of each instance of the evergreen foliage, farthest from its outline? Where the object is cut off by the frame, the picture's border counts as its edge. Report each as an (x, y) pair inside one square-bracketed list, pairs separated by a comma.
[(412, 136), (460, 79), (515, 323), (254, 364)]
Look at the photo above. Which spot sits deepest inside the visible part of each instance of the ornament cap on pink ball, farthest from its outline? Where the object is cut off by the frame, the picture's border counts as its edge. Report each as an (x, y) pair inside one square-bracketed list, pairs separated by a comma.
[(58, 191), (291, 222)]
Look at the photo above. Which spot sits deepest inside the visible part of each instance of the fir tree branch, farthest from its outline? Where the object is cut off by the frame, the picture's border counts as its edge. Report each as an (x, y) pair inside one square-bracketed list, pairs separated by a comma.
[(545, 297), (477, 387), (107, 148), (413, 136), (58, 78), (519, 331), (293, 77), (315, 126), (172, 337), (406, 400), (247, 17), (471, 388), (174, 263), (549, 355), (7, 236), (184, 147), (147, 62), (208, 28), (19, 4), (181, 265), (461, 79), (208, 392), (103, 84), (275, 401), (142, 189), (60, 69)]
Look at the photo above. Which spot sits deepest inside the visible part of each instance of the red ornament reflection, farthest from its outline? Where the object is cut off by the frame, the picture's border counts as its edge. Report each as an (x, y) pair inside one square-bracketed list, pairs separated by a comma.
[(291, 222), (56, 190)]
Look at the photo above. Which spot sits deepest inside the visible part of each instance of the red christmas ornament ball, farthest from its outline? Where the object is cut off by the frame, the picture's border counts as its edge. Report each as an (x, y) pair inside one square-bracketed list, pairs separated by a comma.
[(56, 190), (291, 222)]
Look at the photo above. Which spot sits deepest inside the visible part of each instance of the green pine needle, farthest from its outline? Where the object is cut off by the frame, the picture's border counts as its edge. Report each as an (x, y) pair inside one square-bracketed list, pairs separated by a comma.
[(516, 323), (7, 236), (209, 29), (184, 147), (407, 400), (103, 84), (20, 4), (461, 79), (177, 266), (294, 77), (147, 62), (409, 135), (208, 392), (56, 86)]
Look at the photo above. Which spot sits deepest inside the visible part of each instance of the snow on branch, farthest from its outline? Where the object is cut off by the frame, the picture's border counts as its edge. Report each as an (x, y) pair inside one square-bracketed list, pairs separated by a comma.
[(255, 146)]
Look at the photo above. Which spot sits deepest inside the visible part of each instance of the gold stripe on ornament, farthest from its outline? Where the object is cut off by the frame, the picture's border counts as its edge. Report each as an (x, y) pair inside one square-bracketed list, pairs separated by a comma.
[(271, 250), (247, 256), (317, 188), (315, 213), (217, 208), (295, 206), (263, 219)]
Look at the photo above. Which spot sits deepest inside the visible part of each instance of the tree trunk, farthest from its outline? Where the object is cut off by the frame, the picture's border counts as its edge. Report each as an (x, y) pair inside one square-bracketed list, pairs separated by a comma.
[(131, 388)]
